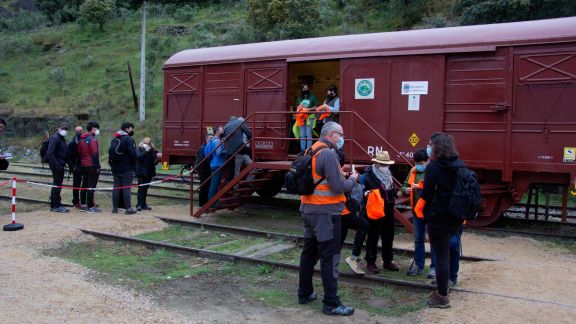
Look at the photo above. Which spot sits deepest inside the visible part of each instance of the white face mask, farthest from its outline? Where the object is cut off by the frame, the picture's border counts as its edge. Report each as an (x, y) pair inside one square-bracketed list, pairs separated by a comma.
[(63, 132), (97, 132), (145, 146)]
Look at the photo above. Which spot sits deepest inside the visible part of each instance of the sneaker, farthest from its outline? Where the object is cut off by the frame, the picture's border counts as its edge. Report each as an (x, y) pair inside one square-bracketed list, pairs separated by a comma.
[(94, 210), (372, 268), (138, 208), (438, 301), (83, 208), (60, 209), (354, 264), (414, 270), (391, 266), (130, 211), (78, 206), (338, 310), (147, 208), (432, 274), (305, 300), (114, 210)]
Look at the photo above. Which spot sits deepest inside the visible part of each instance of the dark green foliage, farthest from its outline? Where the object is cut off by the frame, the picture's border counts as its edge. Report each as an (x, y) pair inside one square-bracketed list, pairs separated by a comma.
[(23, 21), (285, 19), (97, 11), (404, 14), (59, 11), (473, 12)]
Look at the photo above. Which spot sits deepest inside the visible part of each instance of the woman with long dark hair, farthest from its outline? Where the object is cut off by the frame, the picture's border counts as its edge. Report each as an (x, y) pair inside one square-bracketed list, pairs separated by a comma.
[(439, 183)]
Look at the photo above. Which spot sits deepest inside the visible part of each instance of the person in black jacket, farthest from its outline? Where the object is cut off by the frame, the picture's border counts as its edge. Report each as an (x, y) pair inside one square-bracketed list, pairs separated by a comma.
[(234, 133), (145, 170), (378, 176), (122, 158), (203, 169), (57, 156), (439, 183), (74, 164)]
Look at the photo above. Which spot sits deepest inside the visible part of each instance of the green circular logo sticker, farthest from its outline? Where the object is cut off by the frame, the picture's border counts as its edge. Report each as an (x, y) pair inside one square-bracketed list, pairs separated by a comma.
[(364, 88)]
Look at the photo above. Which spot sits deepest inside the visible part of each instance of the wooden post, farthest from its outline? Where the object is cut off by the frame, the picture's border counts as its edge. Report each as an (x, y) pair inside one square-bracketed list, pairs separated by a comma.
[(564, 204)]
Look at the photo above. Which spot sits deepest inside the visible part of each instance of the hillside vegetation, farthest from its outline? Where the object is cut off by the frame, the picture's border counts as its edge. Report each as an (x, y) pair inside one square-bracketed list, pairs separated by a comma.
[(57, 59)]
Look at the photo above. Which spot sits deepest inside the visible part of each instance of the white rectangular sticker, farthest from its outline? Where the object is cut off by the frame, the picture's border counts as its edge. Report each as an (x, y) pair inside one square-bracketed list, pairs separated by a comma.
[(414, 87), (364, 88), (569, 154), (414, 102)]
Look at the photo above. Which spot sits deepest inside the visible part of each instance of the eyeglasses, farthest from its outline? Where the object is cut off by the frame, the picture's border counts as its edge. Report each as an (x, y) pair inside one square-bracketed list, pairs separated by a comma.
[(341, 134)]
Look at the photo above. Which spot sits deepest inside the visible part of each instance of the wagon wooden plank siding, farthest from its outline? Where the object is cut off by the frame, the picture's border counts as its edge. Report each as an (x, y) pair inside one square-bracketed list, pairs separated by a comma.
[(504, 91)]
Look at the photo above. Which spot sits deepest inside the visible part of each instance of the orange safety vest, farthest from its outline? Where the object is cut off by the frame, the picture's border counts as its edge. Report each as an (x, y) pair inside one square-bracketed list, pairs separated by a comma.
[(322, 194), (301, 115), (411, 183), (326, 111), (375, 205)]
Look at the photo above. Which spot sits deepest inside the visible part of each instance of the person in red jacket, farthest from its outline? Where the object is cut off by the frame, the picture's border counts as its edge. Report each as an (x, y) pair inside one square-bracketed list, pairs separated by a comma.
[(89, 153)]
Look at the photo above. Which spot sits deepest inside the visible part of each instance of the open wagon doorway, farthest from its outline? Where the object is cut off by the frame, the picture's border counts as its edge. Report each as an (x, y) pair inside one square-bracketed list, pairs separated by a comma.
[(319, 75)]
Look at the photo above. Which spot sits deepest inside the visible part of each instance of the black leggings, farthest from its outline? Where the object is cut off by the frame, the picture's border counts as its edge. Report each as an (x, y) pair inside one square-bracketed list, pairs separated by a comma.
[(360, 224), (382, 228), (440, 236)]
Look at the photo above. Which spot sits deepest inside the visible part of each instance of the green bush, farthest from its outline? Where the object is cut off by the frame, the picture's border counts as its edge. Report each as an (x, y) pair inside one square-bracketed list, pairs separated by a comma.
[(4, 95), (57, 75), (97, 11), (186, 13), (23, 21)]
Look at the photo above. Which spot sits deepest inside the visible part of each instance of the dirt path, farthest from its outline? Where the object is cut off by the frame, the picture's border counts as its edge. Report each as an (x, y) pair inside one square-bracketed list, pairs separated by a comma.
[(38, 288)]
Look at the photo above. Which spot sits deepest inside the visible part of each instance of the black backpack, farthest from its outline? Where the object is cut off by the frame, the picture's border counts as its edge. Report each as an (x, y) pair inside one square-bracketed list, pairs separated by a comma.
[(299, 180), (466, 199), (44, 150)]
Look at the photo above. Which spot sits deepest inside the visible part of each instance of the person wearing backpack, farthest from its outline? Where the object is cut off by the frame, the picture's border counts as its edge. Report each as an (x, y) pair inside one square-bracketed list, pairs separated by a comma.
[(57, 156), (321, 211), (89, 154), (379, 210), (145, 170), (202, 167), (122, 157), (74, 165), (433, 205)]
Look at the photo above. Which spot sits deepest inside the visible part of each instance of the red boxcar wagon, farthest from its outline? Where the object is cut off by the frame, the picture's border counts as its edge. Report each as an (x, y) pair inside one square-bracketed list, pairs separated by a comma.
[(506, 92)]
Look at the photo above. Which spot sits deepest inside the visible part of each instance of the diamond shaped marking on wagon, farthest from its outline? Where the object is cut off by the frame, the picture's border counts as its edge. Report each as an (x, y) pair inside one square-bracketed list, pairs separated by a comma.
[(413, 139)]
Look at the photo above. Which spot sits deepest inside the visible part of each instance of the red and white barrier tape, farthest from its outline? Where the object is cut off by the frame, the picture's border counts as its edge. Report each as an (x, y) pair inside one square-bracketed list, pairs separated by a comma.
[(13, 200)]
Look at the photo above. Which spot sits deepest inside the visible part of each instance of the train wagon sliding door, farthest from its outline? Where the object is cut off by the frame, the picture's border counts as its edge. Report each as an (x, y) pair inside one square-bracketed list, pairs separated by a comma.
[(477, 105), (544, 114), (266, 94), (222, 94), (366, 91), (416, 102), (182, 102)]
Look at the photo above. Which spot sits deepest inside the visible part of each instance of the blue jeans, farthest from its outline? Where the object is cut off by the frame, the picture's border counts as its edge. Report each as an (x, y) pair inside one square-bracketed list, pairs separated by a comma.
[(305, 132), (454, 245), (419, 240), (214, 182)]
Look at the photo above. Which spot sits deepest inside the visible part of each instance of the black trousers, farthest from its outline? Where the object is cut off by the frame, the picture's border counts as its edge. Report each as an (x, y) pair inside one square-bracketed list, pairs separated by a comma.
[(382, 228), (57, 179), (205, 188), (143, 191), (76, 183), (440, 235), (321, 242), (360, 224), (89, 180), (122, 179)]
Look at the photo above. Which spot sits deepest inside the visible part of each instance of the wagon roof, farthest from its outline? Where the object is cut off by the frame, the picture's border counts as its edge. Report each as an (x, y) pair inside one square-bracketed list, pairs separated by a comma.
[(424, 41)]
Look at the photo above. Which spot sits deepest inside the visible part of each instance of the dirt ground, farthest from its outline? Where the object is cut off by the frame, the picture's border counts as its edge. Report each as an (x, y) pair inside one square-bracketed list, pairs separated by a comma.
[(535, 282)]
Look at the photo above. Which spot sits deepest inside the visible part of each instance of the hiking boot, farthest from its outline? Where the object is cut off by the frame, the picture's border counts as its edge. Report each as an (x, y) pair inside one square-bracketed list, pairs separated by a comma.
[(391, 266), (354, 264), (60, 209), (83, 208), (414, 270), (372, 268), (130, 211), (305, 300), (438, 301), (432, 274), (146, 208), (94, 210), (114, 210), (340, 310)]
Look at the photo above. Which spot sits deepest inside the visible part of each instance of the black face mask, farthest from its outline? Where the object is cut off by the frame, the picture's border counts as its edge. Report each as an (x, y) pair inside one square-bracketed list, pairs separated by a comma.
[(131, 133), (330, 96), (305, 93), (221, 135)]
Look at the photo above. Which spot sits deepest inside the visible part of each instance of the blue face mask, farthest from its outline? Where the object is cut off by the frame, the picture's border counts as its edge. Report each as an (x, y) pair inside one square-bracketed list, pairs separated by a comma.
[(340, 142), (429, 150), (420, 167)]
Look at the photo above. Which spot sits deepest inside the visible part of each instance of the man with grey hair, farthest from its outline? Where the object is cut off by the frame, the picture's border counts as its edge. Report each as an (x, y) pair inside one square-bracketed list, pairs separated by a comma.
[(321, 216)]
